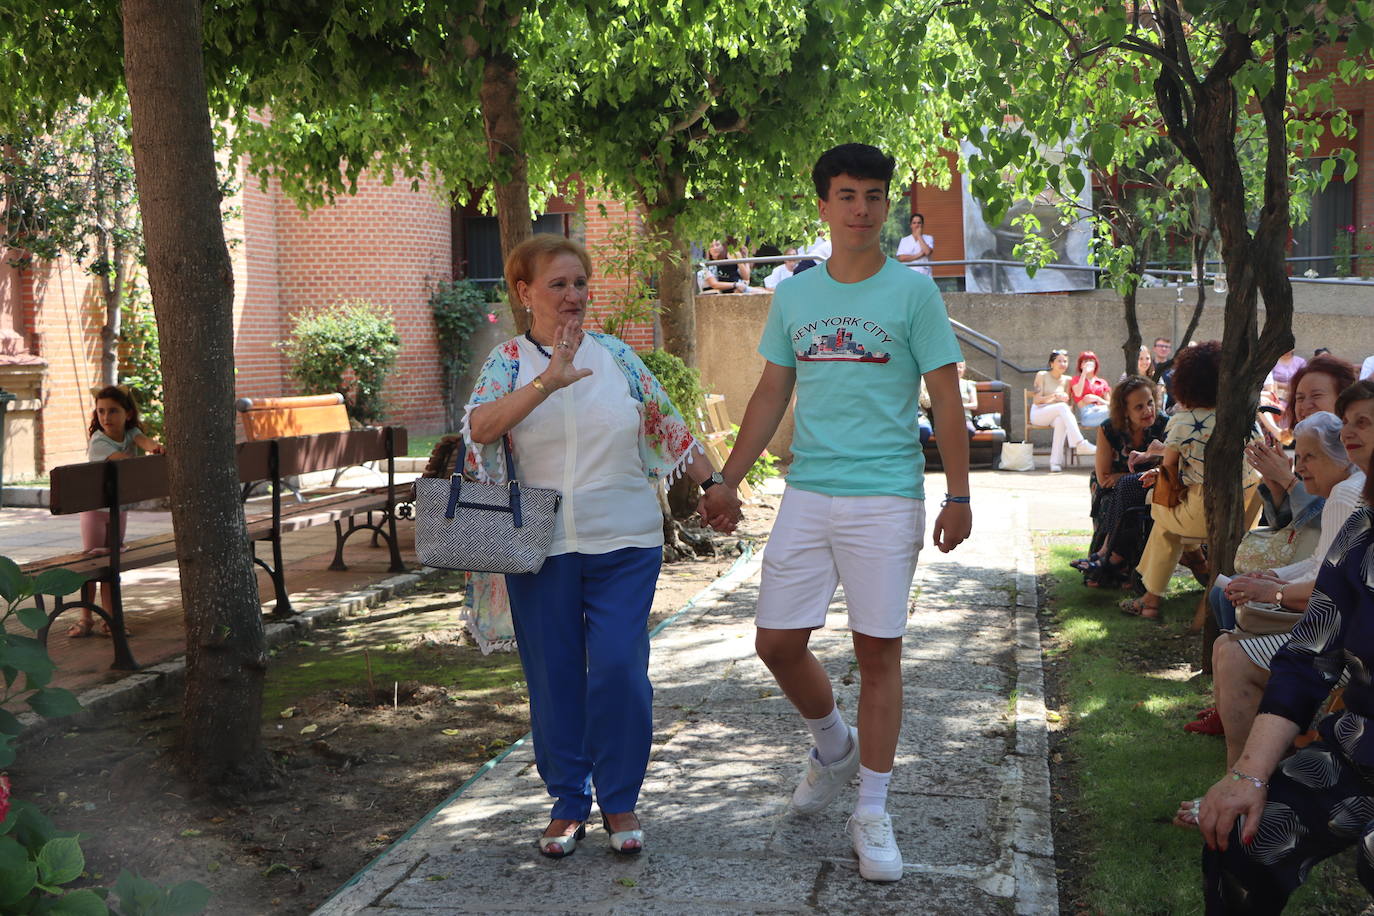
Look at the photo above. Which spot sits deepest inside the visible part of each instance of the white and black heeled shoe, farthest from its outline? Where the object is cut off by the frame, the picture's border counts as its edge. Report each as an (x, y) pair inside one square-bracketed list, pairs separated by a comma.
[(559, 847)]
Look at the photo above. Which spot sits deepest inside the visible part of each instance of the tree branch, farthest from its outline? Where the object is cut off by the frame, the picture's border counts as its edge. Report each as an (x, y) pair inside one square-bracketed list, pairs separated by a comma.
[(714, 90)]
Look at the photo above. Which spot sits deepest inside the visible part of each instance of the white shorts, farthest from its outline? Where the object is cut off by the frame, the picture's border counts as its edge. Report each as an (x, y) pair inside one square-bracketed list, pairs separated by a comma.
[(868, 543)]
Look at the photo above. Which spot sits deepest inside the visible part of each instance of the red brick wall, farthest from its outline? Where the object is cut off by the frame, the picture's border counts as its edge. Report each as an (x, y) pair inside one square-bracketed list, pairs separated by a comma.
[(597, 231), (384, 244), (1357, 101), (943, 209), (64, 312)]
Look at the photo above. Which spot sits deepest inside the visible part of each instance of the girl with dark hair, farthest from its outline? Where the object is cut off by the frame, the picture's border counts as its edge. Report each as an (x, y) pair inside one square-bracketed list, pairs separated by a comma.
[(115, 434)]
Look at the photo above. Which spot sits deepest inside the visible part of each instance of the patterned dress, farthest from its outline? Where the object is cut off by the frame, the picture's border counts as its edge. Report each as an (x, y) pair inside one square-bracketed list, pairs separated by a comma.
[(1321, 799)]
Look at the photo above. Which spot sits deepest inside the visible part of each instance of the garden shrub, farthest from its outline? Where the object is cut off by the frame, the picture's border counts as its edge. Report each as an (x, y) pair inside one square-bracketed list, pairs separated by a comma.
[(348, 347), (36, 860), (459, 307)]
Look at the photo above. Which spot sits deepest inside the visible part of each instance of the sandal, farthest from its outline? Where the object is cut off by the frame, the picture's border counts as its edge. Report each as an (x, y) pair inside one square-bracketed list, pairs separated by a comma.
[(1084, 564), (1209, 724), (1106, 574), (558, 847), (103, 630), (80, 630), (626, 842), (1136, 607)]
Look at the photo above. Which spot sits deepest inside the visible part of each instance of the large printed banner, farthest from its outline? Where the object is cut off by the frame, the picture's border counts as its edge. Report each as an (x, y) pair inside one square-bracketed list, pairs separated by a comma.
[(1071, 242)]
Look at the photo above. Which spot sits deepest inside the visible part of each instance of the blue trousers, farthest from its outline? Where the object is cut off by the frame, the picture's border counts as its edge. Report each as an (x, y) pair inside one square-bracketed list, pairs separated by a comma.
[(582, 628), (1222, 609)]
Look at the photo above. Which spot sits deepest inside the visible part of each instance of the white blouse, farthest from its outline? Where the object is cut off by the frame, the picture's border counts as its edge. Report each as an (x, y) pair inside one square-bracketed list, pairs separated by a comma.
[(583, 440), (1345, 498)]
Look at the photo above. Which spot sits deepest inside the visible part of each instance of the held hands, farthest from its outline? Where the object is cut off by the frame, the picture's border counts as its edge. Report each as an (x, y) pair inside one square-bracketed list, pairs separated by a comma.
[(952, 526), (561, 372), (720, 508)]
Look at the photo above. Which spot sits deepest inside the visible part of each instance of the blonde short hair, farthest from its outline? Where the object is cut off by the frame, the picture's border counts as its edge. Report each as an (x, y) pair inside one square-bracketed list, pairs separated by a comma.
[(534, 252)]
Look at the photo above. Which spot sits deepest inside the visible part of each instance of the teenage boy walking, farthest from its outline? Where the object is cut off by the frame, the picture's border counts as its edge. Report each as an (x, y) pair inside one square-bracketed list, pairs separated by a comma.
[(854, 337)]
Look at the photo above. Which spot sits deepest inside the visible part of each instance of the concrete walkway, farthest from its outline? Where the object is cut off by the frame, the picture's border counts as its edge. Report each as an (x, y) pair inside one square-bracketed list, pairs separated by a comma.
[(970, 795)]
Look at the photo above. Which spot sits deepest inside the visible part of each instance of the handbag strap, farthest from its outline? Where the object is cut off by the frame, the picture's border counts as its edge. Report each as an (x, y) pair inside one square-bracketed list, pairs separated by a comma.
[(455, 487)]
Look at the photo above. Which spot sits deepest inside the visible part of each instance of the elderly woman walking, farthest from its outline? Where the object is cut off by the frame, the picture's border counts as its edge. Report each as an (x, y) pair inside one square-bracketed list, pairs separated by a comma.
[(584, 416)]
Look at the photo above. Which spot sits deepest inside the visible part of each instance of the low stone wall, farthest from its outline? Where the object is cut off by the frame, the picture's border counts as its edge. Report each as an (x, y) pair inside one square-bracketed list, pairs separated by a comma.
[(1028, 326)]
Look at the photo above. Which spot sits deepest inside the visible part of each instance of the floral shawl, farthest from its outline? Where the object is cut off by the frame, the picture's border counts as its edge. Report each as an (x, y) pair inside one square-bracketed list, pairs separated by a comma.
[(665, 441)]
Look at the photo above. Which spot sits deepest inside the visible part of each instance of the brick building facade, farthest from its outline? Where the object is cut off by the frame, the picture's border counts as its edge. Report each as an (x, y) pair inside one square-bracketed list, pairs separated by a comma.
[(387, 244)]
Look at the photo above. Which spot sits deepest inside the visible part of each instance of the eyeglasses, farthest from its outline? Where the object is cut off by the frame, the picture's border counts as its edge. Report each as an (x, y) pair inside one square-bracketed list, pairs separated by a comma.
[(1059, 353)]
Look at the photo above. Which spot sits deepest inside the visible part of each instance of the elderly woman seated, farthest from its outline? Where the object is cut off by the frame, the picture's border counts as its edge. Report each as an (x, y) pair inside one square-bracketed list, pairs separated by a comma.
[(1273, 816), (1315, 387), (1240, 662)]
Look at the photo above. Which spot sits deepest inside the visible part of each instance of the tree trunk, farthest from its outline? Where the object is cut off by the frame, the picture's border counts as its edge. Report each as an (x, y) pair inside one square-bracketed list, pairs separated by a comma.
[(112, 293), (1130, 350), (191, 279), (678, 316), (500, 97)]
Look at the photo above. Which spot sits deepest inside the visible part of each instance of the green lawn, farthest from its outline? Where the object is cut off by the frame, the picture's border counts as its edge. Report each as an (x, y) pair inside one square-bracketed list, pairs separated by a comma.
[(1125, 691), (421, 446)]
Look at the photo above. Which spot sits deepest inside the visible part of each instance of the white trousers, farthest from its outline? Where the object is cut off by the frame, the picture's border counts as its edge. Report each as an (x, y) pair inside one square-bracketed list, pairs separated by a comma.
[(1059, 416)]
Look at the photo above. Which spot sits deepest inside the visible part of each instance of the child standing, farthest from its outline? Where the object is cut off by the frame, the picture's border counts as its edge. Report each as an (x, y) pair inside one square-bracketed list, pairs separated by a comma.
[(855, 337), (115, 434)]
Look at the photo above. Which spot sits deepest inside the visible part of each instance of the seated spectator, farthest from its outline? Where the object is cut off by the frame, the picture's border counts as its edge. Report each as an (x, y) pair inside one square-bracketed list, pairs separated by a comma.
[(1315, 388), (1145, 367), (914, 250), (1089, 392), (1273, 816), (968, 395), (1050, 407), (1240, 663), (815, 253), (1277, 388), (729, 277), (1195, 387), (782, 271), (1129, 440)]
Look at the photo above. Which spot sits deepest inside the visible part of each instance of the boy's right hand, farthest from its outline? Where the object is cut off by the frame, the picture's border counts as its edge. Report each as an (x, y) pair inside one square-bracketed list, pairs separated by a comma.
[(720, 508)]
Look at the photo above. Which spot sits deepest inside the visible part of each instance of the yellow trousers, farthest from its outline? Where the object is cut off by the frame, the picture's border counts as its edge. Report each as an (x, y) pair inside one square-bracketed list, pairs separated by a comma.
[(1187, 519)]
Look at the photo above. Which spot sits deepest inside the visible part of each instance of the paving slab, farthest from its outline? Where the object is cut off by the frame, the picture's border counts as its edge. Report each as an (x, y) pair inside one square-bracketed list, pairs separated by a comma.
[(969, 796)]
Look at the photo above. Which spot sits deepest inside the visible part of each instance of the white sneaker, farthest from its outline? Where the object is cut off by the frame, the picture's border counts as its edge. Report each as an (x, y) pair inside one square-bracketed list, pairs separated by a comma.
[(821, 784), (876, 847), (1056, 469), (1086, 448)]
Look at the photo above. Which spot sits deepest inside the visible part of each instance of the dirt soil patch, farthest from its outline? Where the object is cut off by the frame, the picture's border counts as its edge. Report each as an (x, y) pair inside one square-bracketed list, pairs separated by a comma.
[(372, 723)]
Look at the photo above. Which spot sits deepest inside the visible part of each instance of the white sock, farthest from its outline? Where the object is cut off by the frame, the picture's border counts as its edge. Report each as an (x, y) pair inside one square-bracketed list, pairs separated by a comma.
[(831, 736), (872, 791)]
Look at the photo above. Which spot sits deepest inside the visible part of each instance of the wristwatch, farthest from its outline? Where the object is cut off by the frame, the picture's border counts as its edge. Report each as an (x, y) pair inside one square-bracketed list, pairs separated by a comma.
[(711, 481), (1278, 597)]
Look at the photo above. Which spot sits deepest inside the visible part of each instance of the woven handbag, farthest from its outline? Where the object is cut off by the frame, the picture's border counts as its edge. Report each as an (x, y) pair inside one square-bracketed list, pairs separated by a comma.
[(483, 527)]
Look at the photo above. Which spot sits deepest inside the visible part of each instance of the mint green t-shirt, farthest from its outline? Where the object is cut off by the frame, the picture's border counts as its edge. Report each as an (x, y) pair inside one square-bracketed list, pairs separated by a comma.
[(860, 350)]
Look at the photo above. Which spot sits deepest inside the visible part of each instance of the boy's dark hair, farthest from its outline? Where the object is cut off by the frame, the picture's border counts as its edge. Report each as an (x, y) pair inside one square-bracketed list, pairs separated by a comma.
[(857, 159)]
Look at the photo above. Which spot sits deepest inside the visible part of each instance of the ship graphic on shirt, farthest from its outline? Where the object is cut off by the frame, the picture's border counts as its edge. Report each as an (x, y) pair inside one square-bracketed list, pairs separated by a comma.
[(840, 347)]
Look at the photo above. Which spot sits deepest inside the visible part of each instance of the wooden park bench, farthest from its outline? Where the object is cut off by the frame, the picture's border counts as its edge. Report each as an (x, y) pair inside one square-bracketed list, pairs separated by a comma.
[(110, 485), (985, 445), (303, 415)]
